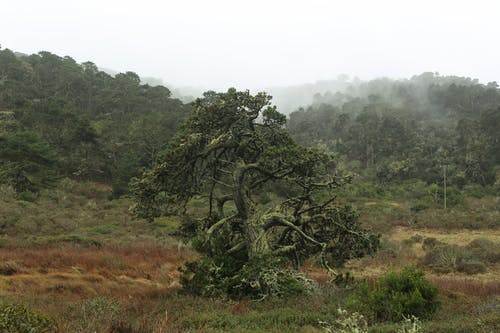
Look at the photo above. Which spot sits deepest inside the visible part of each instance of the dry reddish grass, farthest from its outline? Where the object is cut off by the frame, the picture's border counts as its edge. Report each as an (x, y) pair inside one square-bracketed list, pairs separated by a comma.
[(468, 286), (74, 271), (138, 260)]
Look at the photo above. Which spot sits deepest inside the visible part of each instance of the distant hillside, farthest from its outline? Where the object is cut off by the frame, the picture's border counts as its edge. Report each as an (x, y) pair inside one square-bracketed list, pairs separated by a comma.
[(61, 118), (394, 130)]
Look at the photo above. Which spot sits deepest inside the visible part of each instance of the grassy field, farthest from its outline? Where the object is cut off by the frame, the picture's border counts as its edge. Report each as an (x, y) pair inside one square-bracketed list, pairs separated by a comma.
[(80, 258)]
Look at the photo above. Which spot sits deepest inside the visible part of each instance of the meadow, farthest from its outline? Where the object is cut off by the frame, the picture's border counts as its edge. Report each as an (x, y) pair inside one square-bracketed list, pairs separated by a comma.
[(77, 256)]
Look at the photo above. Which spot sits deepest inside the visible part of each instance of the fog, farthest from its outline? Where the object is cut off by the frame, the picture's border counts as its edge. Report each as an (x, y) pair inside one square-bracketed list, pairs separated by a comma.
[(260, 44)]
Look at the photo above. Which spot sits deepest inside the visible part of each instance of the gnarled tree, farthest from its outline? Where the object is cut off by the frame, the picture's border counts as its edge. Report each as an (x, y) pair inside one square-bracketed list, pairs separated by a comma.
[(233, 147)]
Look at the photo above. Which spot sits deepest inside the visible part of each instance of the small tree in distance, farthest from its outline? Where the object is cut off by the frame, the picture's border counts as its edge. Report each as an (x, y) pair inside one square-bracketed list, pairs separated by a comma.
[(232, 147)]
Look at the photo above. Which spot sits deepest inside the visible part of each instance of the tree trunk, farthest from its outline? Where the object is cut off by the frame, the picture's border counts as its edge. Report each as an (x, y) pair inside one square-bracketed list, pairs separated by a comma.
[(256, 238), (254, 232)]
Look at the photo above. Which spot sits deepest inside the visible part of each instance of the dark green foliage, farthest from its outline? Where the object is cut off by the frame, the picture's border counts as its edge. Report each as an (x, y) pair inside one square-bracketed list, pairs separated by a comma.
[(397, 295), (26, 162), (226, 155), (16, 318), (396, 130), (236, 275), (96, 126), (419, 207), (239, 277), (77, 240), (341, 247)]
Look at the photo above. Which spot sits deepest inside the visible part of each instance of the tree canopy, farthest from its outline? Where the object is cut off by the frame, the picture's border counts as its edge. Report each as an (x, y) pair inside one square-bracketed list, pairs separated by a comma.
[(229, 149), (395, 130), (99, 127)]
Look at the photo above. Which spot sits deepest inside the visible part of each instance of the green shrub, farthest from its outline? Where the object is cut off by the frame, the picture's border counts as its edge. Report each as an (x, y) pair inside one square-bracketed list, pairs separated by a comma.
[(264, 198), (472, 267), (104, 229), (396, 296), (15, 318), (419, 207), (237, 277), (478, 191), (114, 262), (485, 250), (346, 323), (27, 196), (445, 258), (410, 325), (76, 239), (94, 315), (84, 189), (453, 196)]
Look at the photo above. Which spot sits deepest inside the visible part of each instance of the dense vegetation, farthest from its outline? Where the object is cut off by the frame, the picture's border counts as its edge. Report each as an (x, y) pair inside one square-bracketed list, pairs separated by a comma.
[(395, 130), (60, 118), (224, 154), (80, 122), (248, 204)]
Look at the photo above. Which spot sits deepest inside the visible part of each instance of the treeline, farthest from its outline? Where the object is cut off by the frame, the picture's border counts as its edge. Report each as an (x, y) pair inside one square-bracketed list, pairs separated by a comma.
[(61, 118), (394, 130)]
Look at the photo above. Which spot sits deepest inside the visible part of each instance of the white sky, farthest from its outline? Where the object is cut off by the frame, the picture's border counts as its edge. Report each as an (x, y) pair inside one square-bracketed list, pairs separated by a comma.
[(251, 44)]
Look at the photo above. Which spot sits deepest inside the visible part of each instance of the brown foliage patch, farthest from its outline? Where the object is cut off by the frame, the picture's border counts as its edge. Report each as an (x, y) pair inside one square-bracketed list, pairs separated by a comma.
[(467, 286), (90, 271)]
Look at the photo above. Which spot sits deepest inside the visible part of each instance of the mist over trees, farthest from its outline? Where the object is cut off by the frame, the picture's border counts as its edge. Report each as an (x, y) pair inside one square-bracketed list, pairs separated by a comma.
[(144, 197), (95, 126), (393, 130)]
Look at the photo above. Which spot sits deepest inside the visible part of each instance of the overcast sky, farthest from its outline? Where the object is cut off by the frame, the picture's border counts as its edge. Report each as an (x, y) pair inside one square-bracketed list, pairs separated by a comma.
[(255, 43)]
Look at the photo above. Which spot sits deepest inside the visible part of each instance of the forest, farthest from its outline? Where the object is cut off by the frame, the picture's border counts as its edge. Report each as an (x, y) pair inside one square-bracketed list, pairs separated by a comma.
[(125, 209)]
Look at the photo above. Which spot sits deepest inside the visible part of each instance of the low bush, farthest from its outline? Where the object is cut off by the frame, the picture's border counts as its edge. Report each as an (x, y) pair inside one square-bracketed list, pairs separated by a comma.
[(346, 323), (94, 315), (237, 278), (444, 258), (79, 240), (27, 196), (396, 296), (410, 325), (472, 267), (430, 243), (479, 191), (412, 240), (10, 267), (16, 318), (485, 249), (264, 198), (419, 207)]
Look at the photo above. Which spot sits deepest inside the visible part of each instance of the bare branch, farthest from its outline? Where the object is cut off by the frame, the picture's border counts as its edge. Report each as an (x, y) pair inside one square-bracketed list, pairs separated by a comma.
[(237, 247), (219, 224), (221, 182)]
